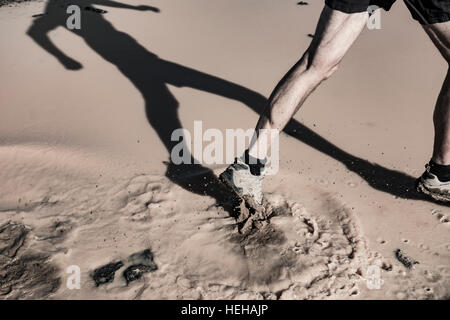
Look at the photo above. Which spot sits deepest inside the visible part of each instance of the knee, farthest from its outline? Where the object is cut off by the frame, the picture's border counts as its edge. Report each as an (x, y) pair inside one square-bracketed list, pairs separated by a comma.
[(320, 66), (324, 68), (447, 59), (31, 30)]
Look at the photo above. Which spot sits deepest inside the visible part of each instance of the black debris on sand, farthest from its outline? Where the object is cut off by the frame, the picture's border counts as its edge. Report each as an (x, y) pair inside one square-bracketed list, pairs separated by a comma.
[(404, 259), (142, 262), (106, 273), (137, 265), (135, 272)]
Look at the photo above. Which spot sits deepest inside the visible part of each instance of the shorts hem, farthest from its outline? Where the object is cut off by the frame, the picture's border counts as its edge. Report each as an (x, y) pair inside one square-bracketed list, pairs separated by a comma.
[(345, 7), (433, 20)]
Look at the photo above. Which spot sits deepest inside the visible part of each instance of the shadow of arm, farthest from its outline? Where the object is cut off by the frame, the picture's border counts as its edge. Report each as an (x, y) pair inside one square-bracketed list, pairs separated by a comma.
[(181, 76), (39, 30)]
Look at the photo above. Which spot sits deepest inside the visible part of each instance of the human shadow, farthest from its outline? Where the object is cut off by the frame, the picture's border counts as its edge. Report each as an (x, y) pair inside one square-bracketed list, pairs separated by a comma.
[(151, 75)]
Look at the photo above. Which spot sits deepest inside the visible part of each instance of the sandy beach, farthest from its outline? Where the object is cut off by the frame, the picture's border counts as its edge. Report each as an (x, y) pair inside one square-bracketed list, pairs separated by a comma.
[(84, 156)]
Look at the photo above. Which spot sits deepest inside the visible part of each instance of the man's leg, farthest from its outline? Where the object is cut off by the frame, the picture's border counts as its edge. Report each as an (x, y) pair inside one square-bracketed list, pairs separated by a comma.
[(440, 35), (335, 33), (435, 182)]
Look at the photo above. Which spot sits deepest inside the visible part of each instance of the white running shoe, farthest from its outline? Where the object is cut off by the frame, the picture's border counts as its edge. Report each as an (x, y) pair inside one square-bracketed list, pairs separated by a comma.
[(430, 184), (246, 185)]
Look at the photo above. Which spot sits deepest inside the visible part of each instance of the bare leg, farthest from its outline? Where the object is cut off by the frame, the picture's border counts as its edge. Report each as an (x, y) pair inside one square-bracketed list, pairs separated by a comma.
[(440, 35), (335, 33)]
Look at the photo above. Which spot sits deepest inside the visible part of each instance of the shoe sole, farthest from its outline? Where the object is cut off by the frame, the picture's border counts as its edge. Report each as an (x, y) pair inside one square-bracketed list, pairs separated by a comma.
[(435, 195), (247, 199)]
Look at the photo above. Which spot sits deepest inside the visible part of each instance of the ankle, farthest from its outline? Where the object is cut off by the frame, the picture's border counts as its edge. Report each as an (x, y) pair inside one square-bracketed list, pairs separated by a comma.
[(256, 165), (441, 171), (442, 161)]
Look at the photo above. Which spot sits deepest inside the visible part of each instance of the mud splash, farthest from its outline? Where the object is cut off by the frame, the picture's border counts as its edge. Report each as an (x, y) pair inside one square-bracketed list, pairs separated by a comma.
[(291, 253)]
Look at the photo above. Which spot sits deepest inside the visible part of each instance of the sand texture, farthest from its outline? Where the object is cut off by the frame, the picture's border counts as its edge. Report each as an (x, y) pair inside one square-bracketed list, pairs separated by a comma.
[(86, 177)]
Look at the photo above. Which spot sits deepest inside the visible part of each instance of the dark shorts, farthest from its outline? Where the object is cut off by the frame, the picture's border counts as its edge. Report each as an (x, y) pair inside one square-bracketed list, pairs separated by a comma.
[(424, 11)]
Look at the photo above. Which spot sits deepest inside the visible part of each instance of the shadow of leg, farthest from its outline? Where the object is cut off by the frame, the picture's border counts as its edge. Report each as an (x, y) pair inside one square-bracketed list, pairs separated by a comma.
[(162, 114), (378, 177)]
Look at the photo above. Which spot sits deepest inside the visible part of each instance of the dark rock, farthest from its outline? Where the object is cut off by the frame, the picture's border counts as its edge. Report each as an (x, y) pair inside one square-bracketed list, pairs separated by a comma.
[(106, 273), (142, 262), (404, 259), (135, 272)]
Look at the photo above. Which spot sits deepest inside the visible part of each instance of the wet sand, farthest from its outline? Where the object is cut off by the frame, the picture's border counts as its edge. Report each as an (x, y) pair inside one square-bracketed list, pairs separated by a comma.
[(85, 179)]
